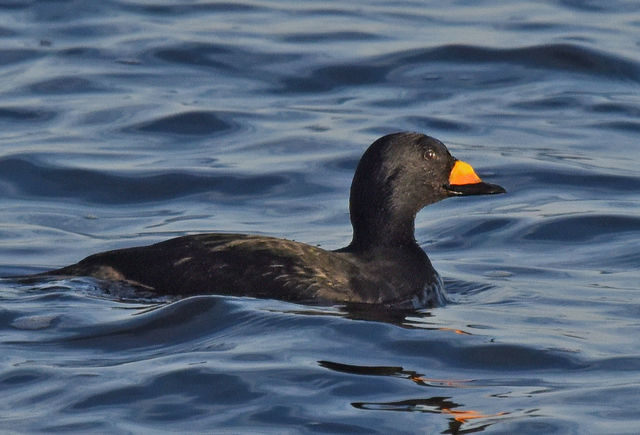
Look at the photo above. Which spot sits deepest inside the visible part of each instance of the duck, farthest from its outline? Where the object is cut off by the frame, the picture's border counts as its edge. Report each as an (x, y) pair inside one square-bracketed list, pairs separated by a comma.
[(398, 175)]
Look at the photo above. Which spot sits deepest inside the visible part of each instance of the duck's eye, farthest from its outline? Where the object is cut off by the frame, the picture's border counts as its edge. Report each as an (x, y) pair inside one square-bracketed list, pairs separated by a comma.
[(429, 154)]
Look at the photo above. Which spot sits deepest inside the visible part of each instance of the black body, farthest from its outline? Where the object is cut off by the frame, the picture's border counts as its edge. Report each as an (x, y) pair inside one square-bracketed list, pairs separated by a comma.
[(397, 176)]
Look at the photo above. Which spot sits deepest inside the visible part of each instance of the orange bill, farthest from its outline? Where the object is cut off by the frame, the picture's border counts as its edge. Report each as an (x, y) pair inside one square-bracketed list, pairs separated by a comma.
[(463, 173)]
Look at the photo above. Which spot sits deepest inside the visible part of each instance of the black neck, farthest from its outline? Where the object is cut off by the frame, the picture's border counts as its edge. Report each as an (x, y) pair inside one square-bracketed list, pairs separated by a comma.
[(378, 225)]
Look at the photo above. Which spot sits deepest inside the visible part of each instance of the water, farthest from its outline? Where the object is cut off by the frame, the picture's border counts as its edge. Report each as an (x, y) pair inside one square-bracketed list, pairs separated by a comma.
[(127, 122)]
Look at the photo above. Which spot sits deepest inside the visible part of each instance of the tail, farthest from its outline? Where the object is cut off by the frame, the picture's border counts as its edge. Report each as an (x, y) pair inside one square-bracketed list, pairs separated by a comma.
[(67, 271)]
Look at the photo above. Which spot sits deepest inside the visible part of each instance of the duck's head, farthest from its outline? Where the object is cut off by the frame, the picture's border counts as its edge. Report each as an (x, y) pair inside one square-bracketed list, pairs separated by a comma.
[(397, 176)]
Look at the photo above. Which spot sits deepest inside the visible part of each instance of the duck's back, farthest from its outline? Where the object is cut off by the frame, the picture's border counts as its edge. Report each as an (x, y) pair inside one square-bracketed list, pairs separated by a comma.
[(232, 264), (265, 267)]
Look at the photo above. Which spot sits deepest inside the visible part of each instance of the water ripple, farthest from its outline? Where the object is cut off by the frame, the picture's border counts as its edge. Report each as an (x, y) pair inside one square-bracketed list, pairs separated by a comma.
[(25, 114), (554, 57), (12, 56), (186, 123), (19, 177), (66, 85), (582, 228)]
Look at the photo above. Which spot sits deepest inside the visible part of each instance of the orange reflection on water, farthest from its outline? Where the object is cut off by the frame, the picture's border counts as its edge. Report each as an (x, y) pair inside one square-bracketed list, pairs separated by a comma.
[(462, 416), (457, 331)]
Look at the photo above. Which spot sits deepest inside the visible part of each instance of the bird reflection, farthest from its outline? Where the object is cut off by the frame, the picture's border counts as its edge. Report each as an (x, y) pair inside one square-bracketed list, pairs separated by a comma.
[(458, 416)]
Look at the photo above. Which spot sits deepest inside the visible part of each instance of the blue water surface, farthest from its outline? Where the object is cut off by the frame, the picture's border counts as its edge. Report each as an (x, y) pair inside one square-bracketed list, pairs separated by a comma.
[(126, 122)]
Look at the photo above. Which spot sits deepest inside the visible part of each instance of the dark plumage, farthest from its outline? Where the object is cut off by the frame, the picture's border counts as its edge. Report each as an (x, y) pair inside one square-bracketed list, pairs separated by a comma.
[(397, 176)]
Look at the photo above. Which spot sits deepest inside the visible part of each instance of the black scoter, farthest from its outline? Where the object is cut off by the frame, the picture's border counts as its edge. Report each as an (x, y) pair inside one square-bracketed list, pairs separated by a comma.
[(397, 176)]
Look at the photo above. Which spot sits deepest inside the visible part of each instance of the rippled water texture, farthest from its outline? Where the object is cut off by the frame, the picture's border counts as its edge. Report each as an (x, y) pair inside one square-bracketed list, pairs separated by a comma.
[(127, 122)]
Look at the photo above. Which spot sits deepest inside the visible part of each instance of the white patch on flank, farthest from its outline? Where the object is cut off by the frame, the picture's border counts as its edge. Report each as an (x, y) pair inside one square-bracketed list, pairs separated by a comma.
[(182, 261)]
